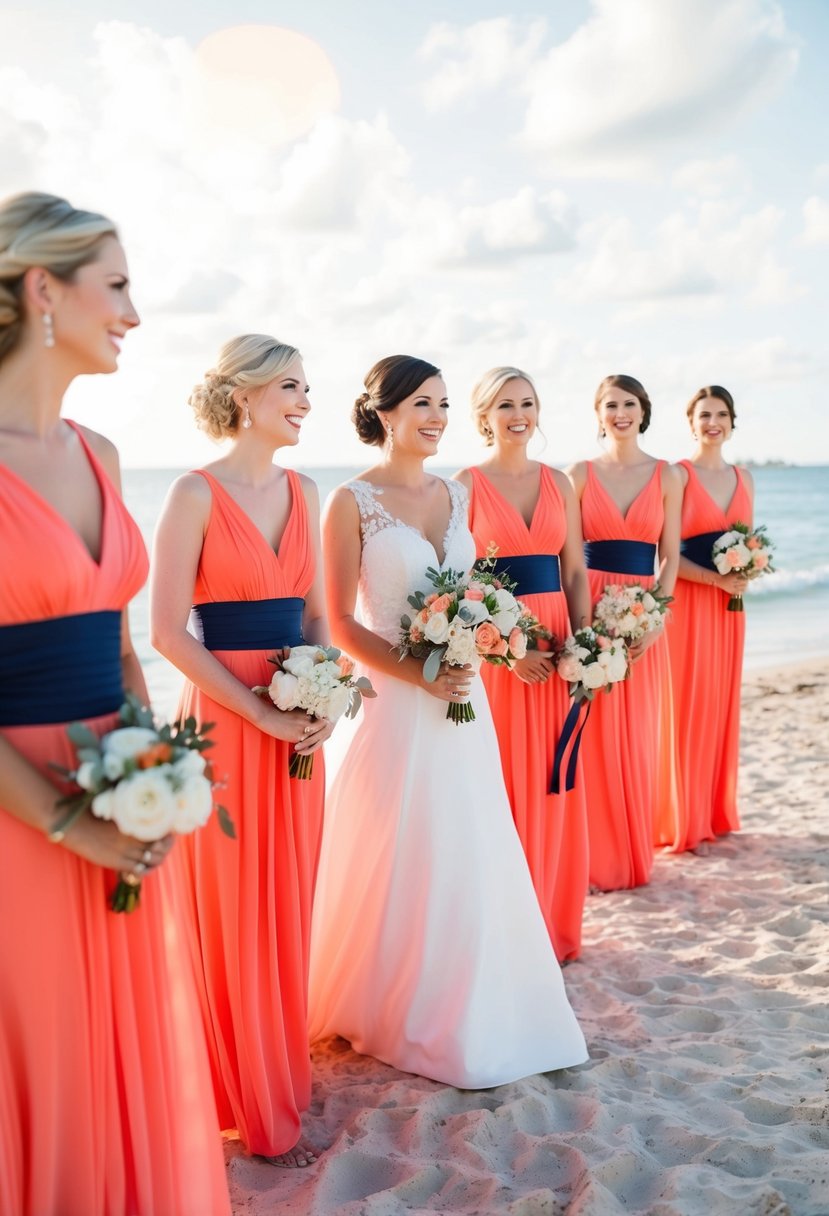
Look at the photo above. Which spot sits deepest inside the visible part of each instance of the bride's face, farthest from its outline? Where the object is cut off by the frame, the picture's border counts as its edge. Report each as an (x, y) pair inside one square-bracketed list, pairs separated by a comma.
[(418, 421)]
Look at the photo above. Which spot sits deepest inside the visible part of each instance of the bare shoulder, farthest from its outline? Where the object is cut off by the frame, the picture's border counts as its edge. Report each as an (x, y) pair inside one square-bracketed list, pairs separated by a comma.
[(341, 502), (577, 475), (747, 477), (671, 477), (191, 493), (310, 490), (561, 479), (464, 476), (682, 474), (105, 450)]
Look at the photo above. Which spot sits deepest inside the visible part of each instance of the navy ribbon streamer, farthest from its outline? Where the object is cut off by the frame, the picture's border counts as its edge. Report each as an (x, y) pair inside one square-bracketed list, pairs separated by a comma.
[(61, 669), (561, 747), (620, 556), (698, 548), (250, 624), (533, 573)]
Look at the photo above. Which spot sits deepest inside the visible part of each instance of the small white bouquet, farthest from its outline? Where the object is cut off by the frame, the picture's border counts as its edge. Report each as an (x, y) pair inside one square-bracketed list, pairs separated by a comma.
[(320, 680), (150, 780), (590, 661), (630, 612), (743, 551)]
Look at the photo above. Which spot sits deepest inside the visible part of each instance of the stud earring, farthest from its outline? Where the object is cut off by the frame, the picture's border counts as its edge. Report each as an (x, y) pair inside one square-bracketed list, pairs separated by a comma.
[(247, 421), (48, 330)]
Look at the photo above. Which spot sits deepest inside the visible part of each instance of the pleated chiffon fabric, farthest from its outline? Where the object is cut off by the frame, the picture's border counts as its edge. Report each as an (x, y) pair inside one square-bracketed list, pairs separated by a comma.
[(627, 747), (705, 644), (246, 903), (105, 1096), (529, 718)]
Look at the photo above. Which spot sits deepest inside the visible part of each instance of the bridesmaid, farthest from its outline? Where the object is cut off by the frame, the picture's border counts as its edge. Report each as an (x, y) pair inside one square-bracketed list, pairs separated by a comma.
[(240, 541), (105, 1102), (530, 512), (707, 692), (630, 505)]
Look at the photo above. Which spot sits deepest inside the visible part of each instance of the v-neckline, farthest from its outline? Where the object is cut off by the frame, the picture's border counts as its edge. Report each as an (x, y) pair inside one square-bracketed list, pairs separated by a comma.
[(623, 515), (52, 509), (375, 489), (275, 552), (724, 511), (543, 471)]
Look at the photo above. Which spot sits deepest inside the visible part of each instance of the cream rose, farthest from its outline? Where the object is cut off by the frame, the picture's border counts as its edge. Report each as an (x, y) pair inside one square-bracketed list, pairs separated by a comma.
[(193, 803), (144, 804), (283, 690), (437, 628), (594, 676)]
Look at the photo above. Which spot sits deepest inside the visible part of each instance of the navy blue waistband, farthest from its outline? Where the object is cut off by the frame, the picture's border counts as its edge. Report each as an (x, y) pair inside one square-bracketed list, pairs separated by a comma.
[(620, 556), (62, 669), (250, 624), (698, 548), (533, 573)]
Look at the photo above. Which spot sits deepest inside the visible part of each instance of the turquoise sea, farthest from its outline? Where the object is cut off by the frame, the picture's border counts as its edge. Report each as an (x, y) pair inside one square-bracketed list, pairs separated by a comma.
[(787, 613)]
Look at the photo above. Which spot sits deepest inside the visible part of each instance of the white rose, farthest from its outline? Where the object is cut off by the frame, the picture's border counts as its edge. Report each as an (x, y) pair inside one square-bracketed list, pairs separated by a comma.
[(103, 805), (721, 562), (728, 539), (301, 660), (743, 554), (648, 602), (193, 804), (437, 628), (144, 804), (594, 676), (605, 658), (618, 666), (581, 653), (128, 743), (283, 690), (569, 668), (507, 613), (337, 702), (189, 764), (629, 625), (461, 646), (519, 646), (85, 776)]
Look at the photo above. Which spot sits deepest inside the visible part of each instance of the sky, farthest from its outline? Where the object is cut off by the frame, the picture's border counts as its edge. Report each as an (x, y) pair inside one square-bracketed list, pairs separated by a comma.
[(575, 188)]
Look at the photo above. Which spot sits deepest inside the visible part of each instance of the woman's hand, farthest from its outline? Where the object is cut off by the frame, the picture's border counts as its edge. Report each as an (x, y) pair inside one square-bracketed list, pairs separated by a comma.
[(535, 668), (733, 583), (636, 652), (451, 684), (99, 841), (294, 726)]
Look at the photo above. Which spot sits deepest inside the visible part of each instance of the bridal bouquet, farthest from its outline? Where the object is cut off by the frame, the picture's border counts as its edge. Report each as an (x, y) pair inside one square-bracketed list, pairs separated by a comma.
[(590, 660), (743, 551), (630, 612), (318, 679), (150, 780), (470, 619)]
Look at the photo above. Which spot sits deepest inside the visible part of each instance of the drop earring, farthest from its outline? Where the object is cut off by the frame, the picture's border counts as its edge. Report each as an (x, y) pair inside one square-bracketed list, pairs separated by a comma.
[(48, 330), (247, 421), (390, 434)]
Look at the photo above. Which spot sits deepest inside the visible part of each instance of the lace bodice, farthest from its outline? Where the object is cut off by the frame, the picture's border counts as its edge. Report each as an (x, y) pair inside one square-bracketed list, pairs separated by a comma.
[(395, 556)]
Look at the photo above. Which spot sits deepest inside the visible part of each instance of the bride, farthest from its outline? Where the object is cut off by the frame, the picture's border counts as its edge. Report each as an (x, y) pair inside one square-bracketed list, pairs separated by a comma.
[(428, 948)]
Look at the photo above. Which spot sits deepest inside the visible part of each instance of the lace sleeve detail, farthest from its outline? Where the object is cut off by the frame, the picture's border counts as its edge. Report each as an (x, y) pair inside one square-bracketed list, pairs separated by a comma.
[(373, 515), (459, 497)]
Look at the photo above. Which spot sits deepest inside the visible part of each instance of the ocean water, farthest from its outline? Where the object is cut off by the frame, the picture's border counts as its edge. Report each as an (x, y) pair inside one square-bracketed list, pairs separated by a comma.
[(787, 613)]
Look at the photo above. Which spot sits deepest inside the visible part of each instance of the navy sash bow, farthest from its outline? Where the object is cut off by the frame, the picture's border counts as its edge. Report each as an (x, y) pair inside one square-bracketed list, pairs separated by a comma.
[(250, 624), (561, 747), (61, 669)]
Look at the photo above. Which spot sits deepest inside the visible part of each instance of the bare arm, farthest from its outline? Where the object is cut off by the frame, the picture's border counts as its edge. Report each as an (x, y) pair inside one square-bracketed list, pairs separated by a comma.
[(669, 539), (342, 551), (314, 618), (177, 548), (574, 579)]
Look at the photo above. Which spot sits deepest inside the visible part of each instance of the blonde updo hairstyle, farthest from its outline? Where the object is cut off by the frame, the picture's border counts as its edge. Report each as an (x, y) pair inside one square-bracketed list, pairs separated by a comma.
[(389, 382), (41, 230), (249, 361), (488, 389)]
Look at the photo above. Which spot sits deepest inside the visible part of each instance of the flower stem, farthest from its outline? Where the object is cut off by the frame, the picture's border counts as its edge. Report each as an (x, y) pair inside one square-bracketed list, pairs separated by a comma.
[(301, 766), (460, 711), (126, 896)]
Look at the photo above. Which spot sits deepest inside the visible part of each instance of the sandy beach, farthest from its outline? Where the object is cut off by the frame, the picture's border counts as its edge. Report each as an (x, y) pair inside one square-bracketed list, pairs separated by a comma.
[(703, 998)]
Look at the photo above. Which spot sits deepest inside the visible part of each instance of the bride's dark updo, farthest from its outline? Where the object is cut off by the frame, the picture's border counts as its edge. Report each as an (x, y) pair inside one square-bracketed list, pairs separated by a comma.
[(387, 384)]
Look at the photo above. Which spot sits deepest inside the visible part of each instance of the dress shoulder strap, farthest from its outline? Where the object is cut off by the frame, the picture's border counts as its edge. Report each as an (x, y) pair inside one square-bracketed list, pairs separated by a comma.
[(373, 515)]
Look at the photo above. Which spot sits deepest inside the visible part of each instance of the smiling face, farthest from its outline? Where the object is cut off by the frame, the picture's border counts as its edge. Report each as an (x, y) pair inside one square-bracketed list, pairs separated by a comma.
[(513, 415), (419, 420), (620, 414), (711, 422), (279, 407), (93, 312)]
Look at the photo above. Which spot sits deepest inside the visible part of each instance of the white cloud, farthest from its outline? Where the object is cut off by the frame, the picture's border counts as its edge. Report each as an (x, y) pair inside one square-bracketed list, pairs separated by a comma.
[(816, 217), (711, 178), (477, 57)]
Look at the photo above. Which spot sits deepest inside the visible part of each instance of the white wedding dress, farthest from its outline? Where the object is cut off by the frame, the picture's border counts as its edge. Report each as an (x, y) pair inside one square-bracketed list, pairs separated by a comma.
[(428, 948)]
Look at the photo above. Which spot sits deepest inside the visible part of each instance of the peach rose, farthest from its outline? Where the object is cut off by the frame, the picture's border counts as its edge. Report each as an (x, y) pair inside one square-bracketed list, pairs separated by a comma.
[(637, 609), (160, 753), (473, 593), (751, 542), (345, 664), (733, 558), (604, 643), (760, 561), (430, 599), (440, 603), (518, 643), (488, 639)]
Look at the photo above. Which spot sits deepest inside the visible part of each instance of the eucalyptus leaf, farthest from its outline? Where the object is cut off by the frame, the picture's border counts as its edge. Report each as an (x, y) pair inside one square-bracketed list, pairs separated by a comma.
[(225, 822), (432, 665), (80, 734)]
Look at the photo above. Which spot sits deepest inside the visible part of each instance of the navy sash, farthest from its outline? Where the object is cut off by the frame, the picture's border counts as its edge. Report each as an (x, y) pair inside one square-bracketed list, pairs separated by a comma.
[(567, 731), (250, 624), (620, 556), (533, 574), (62, 669), (698, 548)]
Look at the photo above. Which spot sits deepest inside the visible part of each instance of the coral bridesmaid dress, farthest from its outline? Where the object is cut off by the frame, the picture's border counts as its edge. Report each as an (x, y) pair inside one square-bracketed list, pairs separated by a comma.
[(627, 747), (105, 1102), (529, 717), (249, 900), (705, 644)]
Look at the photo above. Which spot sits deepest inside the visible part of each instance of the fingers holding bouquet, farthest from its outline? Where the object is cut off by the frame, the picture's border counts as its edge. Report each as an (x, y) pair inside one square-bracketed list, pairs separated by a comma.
[(451, 683)]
